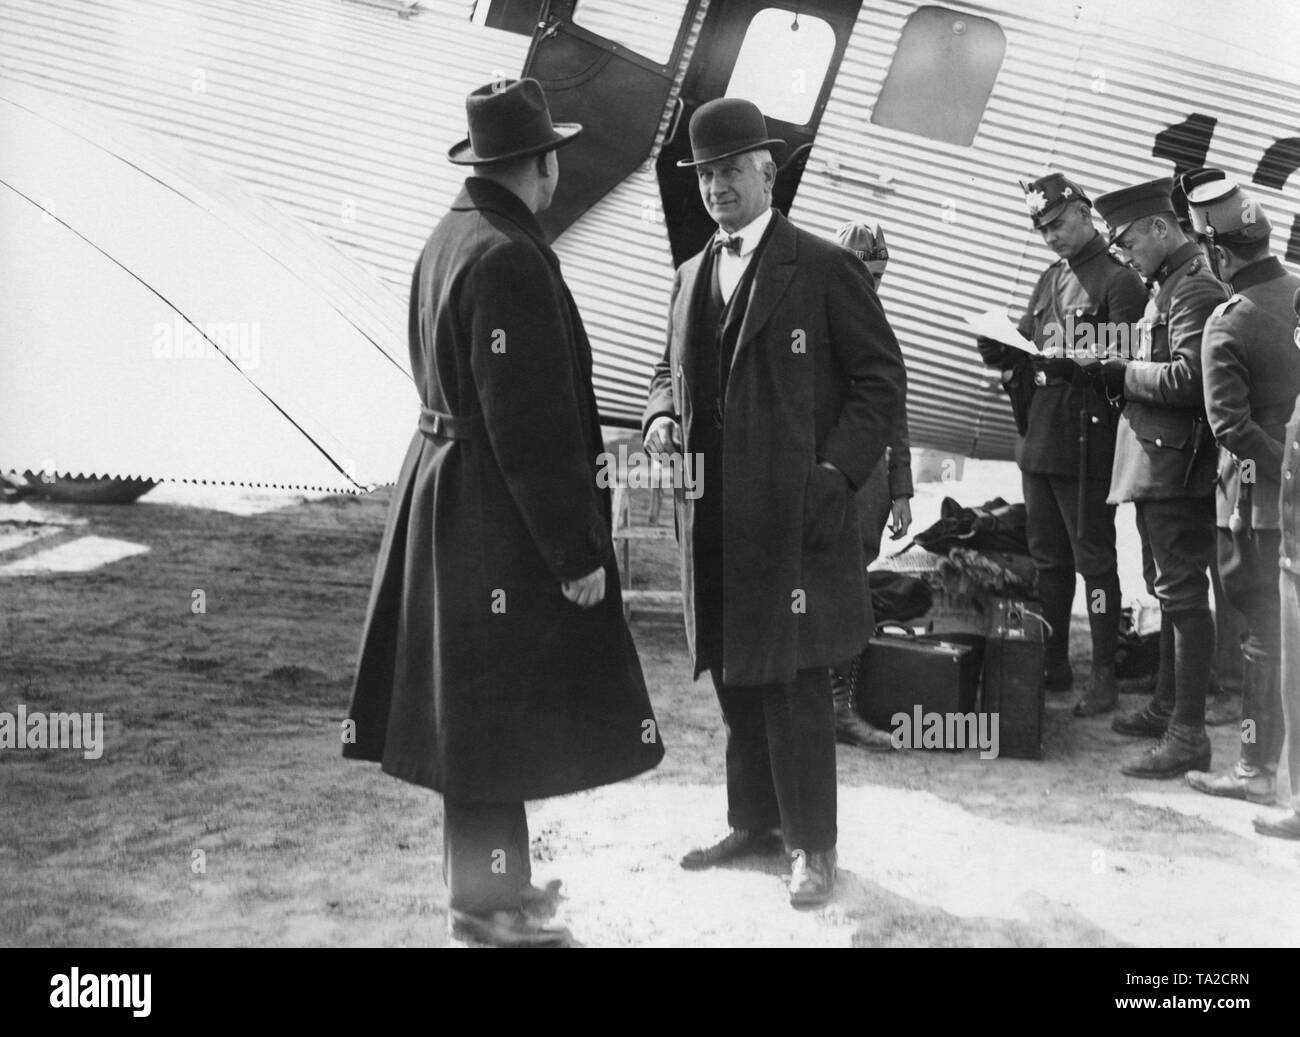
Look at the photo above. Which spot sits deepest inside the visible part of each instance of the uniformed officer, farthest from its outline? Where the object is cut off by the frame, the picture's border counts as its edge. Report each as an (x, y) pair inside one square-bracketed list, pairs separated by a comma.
[(1165, 464), (1288, 825), (1073, 311), (1252, 376)]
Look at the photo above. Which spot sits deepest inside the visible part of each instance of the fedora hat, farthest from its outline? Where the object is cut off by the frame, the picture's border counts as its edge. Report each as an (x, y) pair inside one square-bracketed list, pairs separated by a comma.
[(724, 127), (508, 119)]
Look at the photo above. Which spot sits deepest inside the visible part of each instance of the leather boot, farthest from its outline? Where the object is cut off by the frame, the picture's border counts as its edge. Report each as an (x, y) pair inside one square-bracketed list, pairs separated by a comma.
[(1056, 591), (1152, 720), (850, 728), (1181, 750), (1102, 695), (1242, 782)]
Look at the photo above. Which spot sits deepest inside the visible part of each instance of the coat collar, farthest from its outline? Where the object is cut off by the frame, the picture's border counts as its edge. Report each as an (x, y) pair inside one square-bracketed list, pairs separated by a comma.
[(1257, 273), (1181, 256), (1089, 252), (489, 196), (775, 269)]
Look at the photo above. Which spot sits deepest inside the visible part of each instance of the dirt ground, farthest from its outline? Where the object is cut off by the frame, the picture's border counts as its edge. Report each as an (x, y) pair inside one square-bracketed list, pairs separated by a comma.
[(222, 736)]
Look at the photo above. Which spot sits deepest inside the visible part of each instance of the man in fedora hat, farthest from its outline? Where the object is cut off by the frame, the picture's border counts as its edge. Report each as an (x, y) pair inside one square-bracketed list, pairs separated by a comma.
[(1252, 376), (1165, 464), (496, 666), (781, 376)]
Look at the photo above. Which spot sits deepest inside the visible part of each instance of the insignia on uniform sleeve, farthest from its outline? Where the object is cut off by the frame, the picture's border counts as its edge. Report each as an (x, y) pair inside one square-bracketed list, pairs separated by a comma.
[(1035, 200)]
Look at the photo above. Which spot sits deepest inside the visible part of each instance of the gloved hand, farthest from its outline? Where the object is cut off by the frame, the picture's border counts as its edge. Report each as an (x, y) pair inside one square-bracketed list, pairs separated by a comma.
[(1054, 366), (994, 353), (1111, 373)]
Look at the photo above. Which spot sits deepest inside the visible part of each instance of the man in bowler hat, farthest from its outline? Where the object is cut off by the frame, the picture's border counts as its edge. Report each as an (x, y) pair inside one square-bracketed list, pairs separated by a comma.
[(782, 377), (1165, 464), (1252, 376), (496, 666)]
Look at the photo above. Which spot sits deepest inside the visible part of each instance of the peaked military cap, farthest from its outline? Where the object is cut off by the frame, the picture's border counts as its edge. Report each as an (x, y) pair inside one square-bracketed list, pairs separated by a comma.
[(1047, 197), (1221, 210), (1123, 208)]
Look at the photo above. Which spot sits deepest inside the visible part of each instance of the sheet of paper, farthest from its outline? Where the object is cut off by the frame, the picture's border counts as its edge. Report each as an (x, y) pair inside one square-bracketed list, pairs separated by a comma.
[(995, 324)]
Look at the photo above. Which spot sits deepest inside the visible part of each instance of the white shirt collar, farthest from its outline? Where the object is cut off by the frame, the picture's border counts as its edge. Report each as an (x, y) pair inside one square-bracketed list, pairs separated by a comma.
[(751, 233)]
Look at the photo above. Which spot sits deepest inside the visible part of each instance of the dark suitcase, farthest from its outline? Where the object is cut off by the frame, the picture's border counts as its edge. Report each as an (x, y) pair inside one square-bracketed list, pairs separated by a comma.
[(1013, 678), (919, 677)]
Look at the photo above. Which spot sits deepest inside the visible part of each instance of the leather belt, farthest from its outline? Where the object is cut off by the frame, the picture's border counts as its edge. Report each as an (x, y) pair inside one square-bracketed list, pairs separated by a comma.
[(434, 423)]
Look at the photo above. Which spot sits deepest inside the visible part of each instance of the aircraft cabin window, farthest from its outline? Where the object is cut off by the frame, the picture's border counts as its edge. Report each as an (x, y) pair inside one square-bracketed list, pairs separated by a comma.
[(782, 64), (519, 16), (649, 29), (942, 75)]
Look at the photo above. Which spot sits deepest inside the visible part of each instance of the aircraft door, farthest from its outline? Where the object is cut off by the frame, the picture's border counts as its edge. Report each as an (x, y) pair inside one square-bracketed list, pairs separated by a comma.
[(610, 67)]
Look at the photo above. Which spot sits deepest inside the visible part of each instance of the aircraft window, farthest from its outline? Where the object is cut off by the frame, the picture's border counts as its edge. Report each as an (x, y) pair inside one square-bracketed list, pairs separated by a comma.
[(648, 29), (519, 16), (942, 75), (782, 64)]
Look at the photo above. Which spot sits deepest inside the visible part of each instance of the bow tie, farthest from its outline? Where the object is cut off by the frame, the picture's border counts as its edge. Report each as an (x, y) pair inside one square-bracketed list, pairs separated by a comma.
[(731, 243)]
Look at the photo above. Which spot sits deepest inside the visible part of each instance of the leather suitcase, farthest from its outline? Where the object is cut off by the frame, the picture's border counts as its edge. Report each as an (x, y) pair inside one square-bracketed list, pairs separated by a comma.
[(900, 672), (1013, 677)]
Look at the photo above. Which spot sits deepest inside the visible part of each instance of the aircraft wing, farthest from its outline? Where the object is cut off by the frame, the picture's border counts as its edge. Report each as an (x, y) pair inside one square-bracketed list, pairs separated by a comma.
[(161, 322)]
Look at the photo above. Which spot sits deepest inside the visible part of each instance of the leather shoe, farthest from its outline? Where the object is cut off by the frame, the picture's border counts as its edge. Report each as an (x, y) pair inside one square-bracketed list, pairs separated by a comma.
[(1141, 723), (1181, 750), (1285, 827), (506, 929), (1251, 784), (812, 878), (739, 842)]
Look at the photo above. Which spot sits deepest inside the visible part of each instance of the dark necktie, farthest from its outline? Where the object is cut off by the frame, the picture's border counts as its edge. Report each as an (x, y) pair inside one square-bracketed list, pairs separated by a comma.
[(731, 243)]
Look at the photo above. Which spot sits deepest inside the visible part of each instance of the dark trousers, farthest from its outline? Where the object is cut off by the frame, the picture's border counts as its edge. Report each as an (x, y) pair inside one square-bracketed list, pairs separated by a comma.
[(1248, 567), (781, 758), (1229, 629), (1058, 551), (1177, 546), (484, 855)]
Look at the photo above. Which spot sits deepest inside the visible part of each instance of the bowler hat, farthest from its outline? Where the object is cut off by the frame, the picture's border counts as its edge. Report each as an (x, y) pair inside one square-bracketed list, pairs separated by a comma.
[(1048, 196), (724, 127), (1123, 208), (508, 119)]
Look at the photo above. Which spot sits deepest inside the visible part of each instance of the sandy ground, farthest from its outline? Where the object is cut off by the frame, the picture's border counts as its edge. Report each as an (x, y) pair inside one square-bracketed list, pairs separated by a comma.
[(221, 812)]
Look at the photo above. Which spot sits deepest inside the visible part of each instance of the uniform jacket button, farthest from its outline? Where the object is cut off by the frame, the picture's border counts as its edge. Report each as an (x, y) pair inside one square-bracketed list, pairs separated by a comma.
[(1159, 441)]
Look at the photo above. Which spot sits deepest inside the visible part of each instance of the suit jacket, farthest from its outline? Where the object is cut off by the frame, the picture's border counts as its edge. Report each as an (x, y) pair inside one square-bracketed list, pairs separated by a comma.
[(817, 373), (477, 677), (1252, 376), (1159, 452)]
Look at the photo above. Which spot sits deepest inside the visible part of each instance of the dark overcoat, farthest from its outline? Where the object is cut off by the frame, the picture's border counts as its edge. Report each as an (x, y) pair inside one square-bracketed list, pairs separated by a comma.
[(1252, 376), (477, 677), (1159, 454), (817, 373)]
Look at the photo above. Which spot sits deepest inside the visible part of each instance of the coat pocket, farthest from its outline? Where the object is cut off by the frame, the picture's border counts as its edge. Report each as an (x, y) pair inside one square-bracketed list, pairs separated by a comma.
[(826, 501), (1162, 428)]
